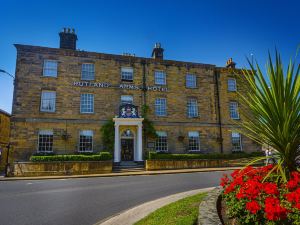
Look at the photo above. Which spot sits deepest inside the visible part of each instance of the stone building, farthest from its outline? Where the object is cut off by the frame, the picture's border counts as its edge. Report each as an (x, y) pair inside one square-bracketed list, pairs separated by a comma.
[(63, 96), (4, 136)]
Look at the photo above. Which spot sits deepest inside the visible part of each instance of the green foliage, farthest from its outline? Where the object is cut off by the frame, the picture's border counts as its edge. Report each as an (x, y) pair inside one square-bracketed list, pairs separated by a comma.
[(148, 127), (184, 211), (102, 156), (273, 110), (156, 155), (108, 135)]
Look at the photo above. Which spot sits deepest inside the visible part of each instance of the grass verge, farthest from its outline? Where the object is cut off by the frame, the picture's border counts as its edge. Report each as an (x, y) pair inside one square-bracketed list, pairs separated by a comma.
[(182, 212)]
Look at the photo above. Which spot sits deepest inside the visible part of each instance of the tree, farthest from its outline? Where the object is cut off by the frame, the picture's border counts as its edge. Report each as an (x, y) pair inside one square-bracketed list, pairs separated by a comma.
[(274, 115), (108, 135)]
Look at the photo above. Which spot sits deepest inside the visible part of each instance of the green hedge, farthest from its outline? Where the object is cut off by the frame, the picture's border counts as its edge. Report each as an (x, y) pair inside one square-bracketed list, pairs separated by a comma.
[(155, 155), (102, 156)]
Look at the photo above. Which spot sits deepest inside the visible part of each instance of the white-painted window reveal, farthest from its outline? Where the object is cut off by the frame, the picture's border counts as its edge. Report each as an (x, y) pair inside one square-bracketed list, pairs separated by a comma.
[(127, 74), (192, 108), (191, 81), (126, 99), (236, 141), (88, 71), (48, 99), (161, 107), (194, 141), (50, 68), (160, 77), (45, 141), (87, 103), (231, 84), (86, 141), (233, 109), (161, 143)]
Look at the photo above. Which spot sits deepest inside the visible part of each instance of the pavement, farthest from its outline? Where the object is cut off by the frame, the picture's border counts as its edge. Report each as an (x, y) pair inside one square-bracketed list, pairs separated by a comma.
[(156, 172), (92, 199), (137, 213)]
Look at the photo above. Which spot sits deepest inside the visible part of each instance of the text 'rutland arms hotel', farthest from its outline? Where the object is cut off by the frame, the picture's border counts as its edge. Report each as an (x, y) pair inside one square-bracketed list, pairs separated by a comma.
[(63, 92)]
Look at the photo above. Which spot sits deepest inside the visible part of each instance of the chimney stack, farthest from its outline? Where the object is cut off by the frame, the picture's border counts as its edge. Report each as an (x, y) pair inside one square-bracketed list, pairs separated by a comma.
[(68, 39), (158, 51), (230, 64)]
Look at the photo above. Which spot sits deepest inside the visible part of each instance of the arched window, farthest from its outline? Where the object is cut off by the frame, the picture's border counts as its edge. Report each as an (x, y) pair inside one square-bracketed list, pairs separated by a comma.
[(127, 133)]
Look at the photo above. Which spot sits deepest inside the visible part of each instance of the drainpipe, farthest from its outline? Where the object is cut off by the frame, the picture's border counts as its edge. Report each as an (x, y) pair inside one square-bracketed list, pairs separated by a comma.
[(144, 90), (217, 74)]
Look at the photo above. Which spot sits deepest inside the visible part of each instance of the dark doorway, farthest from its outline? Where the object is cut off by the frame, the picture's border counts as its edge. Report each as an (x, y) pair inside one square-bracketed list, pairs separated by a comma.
[(127, 149)]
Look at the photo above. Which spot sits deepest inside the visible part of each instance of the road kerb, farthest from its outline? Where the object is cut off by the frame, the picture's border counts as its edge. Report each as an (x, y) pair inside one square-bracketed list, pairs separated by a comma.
[(132, 215)]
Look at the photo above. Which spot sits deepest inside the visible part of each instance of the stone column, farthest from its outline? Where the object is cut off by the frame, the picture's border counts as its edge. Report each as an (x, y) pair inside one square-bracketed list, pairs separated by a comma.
[(117, 153), (140, 143)]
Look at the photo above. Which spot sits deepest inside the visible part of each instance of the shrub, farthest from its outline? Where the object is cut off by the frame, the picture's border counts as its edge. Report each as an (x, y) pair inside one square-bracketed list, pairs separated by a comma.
[(102, 156), (155, 155), (254, 198)]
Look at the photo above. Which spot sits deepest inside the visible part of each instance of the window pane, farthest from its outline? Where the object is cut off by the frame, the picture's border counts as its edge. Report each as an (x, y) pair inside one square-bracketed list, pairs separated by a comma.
[(236, 141), (48, 100), (191, 81), (160, 77), (231, 84), (88, 71), (50, 68), (161, 143), (45, 141), (127, 74), (192, 108), (126, 99), (87, 103), (194, 141), (161, 107), (86, 141), (233, 109)]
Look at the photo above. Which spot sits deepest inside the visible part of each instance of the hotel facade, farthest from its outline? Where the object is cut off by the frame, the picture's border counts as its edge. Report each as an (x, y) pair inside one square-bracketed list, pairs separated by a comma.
[(63, 96)]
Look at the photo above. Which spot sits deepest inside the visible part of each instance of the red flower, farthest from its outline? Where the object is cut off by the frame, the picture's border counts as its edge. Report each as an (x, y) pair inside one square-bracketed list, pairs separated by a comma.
[(273, 209), (224, 180), (271, 188), (253, 206)]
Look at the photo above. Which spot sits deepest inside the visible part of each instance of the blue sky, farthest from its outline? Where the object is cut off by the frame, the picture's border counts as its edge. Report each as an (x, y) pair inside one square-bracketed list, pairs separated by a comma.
[(197, 31)]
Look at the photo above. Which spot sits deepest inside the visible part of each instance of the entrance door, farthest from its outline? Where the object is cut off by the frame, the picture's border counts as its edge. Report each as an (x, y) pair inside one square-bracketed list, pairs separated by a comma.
[(127, 149)]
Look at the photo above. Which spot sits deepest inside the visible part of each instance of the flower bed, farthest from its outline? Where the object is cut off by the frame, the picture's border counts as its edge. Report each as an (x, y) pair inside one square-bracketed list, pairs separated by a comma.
[(252, 197)]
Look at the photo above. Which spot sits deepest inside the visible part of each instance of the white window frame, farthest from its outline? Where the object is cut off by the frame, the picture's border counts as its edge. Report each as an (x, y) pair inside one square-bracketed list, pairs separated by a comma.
[(51, 101), (86, 133), (161, 107), (127, 74), (50, 68), (236, 142), (50, 144), (161, 142), (86, 102), (88, 71), (194, 141), (234, 110), (231, 84), (126, 99), (192, 108), (160, 77), (191, 80)]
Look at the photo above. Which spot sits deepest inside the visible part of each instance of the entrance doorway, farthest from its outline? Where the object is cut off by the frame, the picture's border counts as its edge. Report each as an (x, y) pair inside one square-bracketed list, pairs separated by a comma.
[(127, 146), (127, 149)]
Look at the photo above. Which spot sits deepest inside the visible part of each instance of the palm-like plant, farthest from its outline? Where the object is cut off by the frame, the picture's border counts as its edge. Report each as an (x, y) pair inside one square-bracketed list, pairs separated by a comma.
[(274, 115)]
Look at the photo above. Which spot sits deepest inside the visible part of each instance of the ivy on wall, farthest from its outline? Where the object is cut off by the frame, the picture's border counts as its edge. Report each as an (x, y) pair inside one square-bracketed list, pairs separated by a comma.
[(148, 127), (108, 135)]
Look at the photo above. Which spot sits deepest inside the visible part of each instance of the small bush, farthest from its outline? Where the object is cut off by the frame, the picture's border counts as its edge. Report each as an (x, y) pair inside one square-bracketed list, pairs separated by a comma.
[(156, 155), (102, 156)]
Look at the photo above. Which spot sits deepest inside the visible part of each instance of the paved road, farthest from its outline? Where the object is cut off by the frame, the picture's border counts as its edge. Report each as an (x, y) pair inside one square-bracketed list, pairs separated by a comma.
[(85, 201)]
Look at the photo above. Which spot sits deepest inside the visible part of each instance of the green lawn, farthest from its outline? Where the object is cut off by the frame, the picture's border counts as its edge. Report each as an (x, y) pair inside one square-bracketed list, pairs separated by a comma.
[(182, 212)]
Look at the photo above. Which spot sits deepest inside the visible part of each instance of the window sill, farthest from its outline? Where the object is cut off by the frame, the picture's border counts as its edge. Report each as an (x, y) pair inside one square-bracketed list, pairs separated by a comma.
[(126, 80), (87, 113), (46, 76), (194, 151), (191, 87), (47, 111)]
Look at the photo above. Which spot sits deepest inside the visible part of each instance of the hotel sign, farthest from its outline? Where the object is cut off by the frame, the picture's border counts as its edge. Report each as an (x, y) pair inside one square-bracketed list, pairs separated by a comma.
[(121, 86)]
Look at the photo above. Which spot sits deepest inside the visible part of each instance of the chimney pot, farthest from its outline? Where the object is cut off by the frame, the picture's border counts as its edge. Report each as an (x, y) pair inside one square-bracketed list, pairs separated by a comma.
[(67, 39), (230, 63), (158, 51)]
